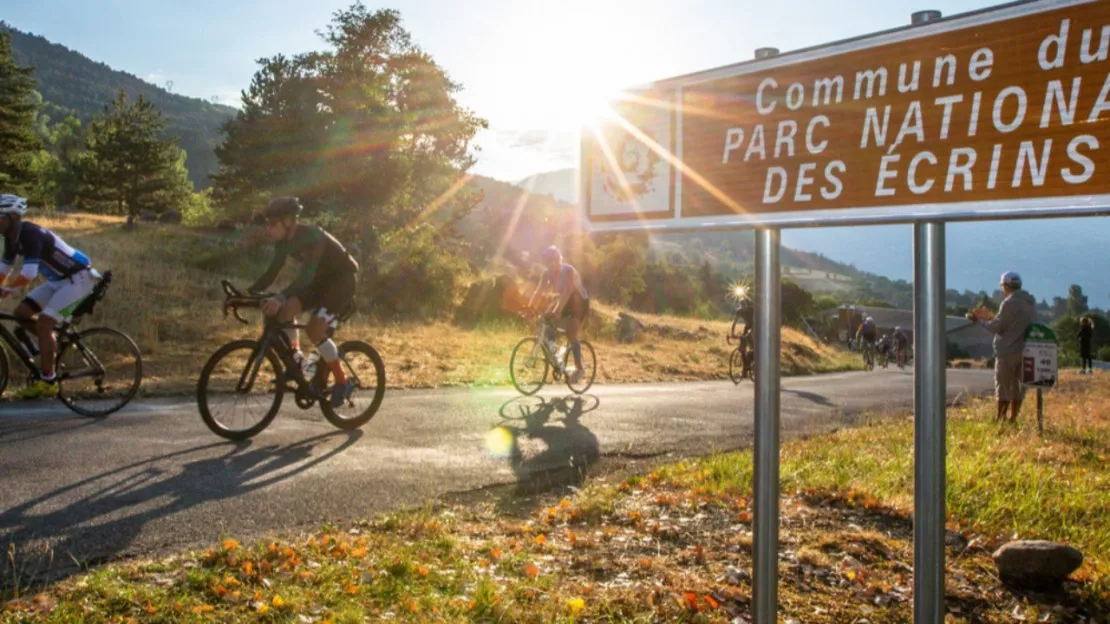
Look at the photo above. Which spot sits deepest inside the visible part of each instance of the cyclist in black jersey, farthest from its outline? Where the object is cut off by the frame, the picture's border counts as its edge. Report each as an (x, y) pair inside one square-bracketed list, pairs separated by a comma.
[(325, 285)]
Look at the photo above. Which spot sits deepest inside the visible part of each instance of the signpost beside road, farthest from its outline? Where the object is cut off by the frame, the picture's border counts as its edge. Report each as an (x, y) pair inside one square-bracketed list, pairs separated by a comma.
[(1038, 364), (995, 114)]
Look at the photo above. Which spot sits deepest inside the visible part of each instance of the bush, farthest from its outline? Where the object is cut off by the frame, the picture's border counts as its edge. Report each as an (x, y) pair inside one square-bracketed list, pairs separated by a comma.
[(417, 277), (1103, 354), (198, 210)]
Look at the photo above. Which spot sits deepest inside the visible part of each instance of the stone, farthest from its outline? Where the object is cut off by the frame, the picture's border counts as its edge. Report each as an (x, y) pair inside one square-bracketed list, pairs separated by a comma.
[(1036, 564), (170, 216), (628, 328), (148, 215)]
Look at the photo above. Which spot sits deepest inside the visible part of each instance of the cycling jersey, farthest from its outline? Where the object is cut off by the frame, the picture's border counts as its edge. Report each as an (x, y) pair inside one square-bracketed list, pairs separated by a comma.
[(43, 252), (868, 331), (900, 339), (322, 258), (567, 274)]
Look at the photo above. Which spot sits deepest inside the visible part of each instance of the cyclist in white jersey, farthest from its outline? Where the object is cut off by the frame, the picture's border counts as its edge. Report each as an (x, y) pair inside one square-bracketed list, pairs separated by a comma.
[(570, 303), (69, 280)]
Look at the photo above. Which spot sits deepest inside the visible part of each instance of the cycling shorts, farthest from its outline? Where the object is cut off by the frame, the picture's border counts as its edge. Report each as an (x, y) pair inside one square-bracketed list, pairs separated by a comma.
[(58, 299), (329, 296)]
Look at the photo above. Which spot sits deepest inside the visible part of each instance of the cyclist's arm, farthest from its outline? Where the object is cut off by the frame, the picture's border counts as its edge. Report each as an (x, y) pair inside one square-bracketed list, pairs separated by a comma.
[(264, 282), (539, 287), (32, 253)]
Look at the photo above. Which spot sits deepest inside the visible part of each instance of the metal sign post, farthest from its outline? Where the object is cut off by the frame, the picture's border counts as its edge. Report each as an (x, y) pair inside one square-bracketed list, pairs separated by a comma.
[(929, 423), (768, 313)]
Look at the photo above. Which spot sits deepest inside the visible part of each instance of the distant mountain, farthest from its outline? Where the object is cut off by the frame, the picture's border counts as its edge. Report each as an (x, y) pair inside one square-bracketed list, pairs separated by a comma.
[(71, 83), (561, 184), (1050, 254)]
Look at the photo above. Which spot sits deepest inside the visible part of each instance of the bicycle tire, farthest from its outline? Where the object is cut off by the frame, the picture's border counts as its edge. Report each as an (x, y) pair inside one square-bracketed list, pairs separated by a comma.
[(355, 422), (69, 398), (587, 354), (530, 343), (5, 370), (206, 376), (736, 366)]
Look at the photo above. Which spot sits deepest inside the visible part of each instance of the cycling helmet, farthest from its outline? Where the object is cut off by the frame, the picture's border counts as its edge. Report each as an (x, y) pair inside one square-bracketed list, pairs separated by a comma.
[(898, 328), (551, 254), (13, 205), (282, 207), (870, 320)]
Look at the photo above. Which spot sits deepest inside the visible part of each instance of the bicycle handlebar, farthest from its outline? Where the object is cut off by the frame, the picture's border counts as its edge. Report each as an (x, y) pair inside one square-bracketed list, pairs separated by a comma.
[(236, 299)]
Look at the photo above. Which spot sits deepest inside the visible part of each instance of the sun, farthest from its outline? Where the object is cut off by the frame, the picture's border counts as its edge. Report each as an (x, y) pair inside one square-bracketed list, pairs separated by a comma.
[(583, 109)]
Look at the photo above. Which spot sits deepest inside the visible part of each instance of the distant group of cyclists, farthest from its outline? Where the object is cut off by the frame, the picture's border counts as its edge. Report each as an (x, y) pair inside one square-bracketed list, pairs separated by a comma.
[(870, 345)]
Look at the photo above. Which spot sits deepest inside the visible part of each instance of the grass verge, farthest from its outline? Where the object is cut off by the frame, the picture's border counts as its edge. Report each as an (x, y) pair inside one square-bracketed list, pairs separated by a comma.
[(673, 545)]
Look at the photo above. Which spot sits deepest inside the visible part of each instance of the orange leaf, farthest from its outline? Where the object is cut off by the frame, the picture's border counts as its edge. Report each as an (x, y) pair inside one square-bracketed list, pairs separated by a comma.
[(230, 544), (565, 503), (540, 539), (531, 570), (422, 571), (711, 602), (691, 600), (495, 553), (150, 608), (352, 588), (248, 568), (359, 553), (204, 608)]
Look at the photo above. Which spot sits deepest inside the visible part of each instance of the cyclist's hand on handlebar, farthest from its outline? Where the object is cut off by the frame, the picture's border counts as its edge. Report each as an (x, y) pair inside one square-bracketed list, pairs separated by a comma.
[(5, 292), (272, 306)]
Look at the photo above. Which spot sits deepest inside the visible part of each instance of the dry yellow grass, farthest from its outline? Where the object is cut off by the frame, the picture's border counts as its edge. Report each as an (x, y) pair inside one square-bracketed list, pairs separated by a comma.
[(166, 296)]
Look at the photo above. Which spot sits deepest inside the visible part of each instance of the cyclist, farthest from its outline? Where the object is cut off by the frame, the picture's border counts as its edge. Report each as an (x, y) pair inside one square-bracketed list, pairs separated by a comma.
[(325, 285), (569, 300), (745, 313), (867, 331), (883, 348), (901, 343), (69, 280)]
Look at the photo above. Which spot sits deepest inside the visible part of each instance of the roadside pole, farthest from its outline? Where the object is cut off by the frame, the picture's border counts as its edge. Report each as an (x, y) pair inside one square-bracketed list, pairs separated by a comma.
[(768, 315)]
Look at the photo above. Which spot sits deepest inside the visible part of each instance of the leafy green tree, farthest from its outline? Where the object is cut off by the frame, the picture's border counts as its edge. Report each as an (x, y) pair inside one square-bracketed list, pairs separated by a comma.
[(367, 130), (621, 270), (1077, 301), (131, 164), (19, 144)]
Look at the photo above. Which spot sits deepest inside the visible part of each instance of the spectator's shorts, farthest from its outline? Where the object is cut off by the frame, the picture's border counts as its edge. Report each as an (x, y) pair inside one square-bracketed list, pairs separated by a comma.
[(1007, 377)]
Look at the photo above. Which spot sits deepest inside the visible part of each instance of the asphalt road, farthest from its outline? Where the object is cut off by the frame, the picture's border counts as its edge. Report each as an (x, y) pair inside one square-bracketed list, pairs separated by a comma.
[(153, 479)]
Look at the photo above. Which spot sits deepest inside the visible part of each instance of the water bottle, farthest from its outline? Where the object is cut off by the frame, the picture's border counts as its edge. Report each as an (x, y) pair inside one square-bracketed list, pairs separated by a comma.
[(27, 341), (559, 355)]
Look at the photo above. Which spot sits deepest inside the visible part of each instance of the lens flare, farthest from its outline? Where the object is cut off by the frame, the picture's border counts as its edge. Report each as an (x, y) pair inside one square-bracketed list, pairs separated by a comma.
[(499, 442)]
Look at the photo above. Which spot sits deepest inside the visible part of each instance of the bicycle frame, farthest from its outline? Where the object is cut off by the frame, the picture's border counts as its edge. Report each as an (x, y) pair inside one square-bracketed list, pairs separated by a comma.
[(541, 343), (66, 335)]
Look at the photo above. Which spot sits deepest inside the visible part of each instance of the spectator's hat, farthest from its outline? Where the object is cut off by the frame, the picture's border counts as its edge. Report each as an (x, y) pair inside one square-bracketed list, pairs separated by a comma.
[(1011, 279)]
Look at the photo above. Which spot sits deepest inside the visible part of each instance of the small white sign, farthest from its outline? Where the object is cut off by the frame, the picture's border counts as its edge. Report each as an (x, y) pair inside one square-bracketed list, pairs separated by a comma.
[(1039, 357)]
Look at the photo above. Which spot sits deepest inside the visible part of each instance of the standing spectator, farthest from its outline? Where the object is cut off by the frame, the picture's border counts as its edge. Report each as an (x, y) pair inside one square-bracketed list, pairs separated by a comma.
[(1015, 314), (1086, 330)]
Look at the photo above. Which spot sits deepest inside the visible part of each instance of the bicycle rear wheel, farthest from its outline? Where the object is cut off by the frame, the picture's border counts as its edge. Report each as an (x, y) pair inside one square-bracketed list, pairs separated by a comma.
[(99, 372), (589, 368), (528, 366), (233, 405), (362, 365)]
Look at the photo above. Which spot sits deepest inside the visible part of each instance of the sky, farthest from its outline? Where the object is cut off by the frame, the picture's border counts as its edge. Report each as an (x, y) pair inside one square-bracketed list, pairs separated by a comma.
[(535, 69)]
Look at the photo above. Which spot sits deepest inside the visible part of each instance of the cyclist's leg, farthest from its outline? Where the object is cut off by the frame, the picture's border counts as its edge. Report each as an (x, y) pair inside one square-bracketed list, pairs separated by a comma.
[(288, 313), (579, 308), (56, 302), (338, 294)]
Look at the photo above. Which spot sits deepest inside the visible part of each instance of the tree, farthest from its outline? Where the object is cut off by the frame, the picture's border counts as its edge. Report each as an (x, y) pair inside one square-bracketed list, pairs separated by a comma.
[(18, 142), (1077, 301), (621, 270), (985, 302), (130, 164), (367, 131)]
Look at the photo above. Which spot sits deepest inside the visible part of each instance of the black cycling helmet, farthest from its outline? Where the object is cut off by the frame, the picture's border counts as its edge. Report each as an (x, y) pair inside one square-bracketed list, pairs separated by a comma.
[(282, 207)]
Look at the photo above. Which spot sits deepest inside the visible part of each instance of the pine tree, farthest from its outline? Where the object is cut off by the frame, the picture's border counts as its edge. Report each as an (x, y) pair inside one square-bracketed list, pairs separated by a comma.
[(18, 142), (131, 164)]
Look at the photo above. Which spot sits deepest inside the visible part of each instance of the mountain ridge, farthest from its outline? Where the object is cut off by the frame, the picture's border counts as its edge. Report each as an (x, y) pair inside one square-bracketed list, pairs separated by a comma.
[(72, 83)]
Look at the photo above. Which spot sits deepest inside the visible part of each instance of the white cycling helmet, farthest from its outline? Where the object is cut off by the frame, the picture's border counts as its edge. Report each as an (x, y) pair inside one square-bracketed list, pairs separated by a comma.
[(13, 205)]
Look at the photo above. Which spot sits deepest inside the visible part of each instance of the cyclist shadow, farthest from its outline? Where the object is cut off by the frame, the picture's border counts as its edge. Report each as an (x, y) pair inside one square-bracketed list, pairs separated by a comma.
[(103, 514), (545, 442)]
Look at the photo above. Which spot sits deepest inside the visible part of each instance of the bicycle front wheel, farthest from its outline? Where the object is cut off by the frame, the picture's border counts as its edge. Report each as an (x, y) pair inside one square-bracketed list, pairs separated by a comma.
[(736, 366), (588, 372), (99, 372), (364, 368), (528, 367), (237, 395)]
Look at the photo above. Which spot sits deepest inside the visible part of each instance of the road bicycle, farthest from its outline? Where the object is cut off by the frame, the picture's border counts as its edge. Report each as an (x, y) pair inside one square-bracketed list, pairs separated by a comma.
[(534, 357), (243, 384), (867, 349), (99, 369)]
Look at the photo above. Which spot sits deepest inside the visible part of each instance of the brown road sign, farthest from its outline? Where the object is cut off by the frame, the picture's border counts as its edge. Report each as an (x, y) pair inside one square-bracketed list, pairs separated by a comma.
[(994, 114)]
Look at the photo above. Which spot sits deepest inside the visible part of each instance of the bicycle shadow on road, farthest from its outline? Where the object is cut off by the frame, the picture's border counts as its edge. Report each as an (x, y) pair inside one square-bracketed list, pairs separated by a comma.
[(545, 442), (102, 515)]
